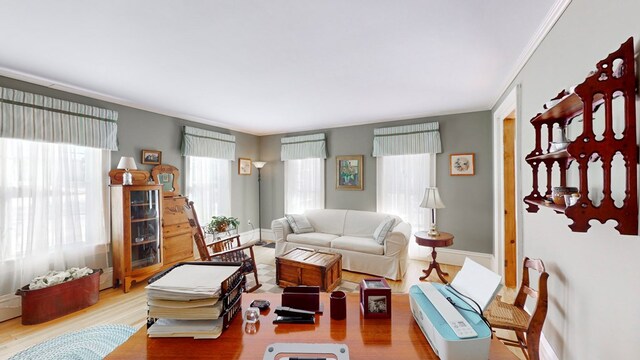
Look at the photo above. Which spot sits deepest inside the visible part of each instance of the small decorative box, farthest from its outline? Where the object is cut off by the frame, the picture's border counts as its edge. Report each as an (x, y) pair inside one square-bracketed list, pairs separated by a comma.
[(375, 298)]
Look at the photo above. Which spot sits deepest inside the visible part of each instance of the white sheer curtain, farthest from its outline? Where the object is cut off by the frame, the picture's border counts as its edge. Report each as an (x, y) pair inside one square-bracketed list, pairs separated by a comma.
[(401, 181), (53, 209), (303, 185), (209, 186)]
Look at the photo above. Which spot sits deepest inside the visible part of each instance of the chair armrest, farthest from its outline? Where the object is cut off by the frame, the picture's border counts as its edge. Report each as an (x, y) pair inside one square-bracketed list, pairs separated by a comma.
[(281, 229), (397, 240), (246, 246)]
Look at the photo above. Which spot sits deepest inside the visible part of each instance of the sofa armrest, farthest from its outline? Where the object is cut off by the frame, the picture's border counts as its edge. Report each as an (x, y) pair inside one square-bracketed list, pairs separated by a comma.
[(397, 240), (281, 229)]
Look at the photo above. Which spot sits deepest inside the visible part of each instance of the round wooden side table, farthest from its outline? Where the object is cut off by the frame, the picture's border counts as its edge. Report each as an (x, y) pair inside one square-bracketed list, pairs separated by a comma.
[(442, 240)]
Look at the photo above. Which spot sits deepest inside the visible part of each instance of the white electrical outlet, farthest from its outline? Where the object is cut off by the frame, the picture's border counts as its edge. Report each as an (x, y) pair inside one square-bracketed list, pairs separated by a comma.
[(249, 222)]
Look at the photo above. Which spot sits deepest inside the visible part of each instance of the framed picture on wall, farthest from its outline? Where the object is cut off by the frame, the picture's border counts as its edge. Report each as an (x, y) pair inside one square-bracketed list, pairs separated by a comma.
[(152, 157), (462, 164), (349, 174), (244, 166)]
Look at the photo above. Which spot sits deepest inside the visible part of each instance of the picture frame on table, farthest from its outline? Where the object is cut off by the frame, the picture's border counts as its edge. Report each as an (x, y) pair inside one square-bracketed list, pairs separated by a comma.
[(244, 166), (349, 175), (152, 157), (462, 164), (375, 298)]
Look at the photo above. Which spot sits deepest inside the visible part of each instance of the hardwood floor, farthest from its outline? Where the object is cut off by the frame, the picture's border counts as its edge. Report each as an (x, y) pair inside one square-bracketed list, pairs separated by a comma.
[(116, 307)]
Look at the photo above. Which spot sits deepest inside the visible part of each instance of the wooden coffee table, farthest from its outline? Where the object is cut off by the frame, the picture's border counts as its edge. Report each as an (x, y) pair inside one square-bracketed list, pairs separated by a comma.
[(302, 266)]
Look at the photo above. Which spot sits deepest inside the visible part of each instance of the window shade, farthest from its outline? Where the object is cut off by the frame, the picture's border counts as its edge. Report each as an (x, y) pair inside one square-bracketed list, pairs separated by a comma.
[(303, 147), (408, 139), (35, 117), (205, 143)]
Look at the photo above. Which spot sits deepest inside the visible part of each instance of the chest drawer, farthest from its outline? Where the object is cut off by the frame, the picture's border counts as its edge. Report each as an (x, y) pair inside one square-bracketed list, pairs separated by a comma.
[(173, 211), (175, 229), (178, 248)]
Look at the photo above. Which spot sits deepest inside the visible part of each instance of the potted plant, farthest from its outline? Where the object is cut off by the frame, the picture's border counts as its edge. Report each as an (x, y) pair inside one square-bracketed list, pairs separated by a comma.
[(221, 224)]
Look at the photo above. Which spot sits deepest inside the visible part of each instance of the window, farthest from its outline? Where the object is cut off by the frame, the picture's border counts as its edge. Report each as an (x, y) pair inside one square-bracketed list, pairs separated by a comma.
[(401, 181), (209, 186), (53, 209), (303, 185)]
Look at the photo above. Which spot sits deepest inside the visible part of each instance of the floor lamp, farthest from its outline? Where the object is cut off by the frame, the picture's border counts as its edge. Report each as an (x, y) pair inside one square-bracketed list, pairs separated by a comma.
[(259, 165)]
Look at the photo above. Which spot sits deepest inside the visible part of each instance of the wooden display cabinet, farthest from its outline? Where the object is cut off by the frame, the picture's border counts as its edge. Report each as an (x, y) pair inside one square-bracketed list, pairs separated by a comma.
[(136, 234), (614, 78)]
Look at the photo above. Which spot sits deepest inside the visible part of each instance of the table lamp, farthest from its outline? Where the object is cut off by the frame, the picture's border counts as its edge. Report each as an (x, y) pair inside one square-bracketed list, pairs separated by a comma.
[(259, 165), (127, 163), (432, 201)]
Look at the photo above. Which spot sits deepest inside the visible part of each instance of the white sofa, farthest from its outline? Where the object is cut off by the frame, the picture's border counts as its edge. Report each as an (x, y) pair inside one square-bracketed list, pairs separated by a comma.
[(350, 233)]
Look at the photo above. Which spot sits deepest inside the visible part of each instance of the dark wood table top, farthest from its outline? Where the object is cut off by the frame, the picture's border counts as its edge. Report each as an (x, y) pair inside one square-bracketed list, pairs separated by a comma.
[(443, 240), (395, 338)]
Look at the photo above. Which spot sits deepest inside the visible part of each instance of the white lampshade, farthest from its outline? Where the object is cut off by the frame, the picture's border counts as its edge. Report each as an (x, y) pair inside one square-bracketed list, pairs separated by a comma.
[(259, 164), (127, 163), (432, 199)]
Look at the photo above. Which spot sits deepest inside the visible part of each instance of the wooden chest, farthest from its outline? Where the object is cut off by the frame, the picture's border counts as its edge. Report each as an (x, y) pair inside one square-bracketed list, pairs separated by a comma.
[(311, 267), (176, 232)]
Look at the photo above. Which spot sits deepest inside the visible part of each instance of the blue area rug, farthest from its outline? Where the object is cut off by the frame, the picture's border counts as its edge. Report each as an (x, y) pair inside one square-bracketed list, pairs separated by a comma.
[(91, 343)]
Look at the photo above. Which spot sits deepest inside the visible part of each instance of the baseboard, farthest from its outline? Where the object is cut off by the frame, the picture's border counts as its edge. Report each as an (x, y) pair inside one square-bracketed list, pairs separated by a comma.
[(268, 235), (255, 235), (456, 257), (546, 351), (10, 306), (106, 279)]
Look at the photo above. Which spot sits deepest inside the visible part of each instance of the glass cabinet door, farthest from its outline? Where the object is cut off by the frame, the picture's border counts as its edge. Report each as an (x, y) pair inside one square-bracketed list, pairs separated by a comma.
[(145, 228)]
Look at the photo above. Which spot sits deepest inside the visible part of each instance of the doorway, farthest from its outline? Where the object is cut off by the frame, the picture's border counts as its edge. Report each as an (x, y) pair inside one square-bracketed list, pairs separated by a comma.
[(507, 211), (509, 190)]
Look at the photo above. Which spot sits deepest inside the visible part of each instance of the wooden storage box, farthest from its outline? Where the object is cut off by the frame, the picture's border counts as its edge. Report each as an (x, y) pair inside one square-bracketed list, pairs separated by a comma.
[(302, 266), (52, 302)]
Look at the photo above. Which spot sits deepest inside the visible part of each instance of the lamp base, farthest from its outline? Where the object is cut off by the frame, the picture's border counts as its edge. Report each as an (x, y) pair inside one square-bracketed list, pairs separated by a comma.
[(127, 178), (433, 232)]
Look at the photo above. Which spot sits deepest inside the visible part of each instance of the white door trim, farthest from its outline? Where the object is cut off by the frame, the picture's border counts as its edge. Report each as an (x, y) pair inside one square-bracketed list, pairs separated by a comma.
[(504, 109)]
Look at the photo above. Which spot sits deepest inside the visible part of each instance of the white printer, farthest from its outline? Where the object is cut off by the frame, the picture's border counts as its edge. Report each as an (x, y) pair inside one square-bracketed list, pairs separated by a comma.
[(456, 332)]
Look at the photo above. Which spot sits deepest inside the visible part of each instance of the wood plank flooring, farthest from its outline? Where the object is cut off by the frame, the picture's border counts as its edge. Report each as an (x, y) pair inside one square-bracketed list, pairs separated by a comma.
[(116, 307)]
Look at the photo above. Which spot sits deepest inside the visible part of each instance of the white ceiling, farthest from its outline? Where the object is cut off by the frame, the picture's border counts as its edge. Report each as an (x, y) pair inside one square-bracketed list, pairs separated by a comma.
[(267, 67)]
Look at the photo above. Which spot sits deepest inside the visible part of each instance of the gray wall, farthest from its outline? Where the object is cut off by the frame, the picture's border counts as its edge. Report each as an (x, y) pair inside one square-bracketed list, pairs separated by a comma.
[(585, 316), (468, 199), (139, 129)]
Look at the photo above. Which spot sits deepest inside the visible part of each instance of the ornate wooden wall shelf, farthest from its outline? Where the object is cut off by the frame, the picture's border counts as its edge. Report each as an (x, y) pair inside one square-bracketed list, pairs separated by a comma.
[(599, 89)]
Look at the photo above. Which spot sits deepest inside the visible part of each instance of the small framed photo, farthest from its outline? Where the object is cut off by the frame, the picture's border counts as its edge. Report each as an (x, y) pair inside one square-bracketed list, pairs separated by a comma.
[(244, 166), (462, 164), (349, 174), (375, 298), (152, 157)]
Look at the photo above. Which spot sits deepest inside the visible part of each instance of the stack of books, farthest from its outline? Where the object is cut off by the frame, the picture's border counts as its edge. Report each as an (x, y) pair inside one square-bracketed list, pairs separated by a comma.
[(194, 300)]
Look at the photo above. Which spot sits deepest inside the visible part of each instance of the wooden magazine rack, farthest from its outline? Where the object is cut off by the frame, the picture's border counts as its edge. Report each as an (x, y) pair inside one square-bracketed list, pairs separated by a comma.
[(615, 77)]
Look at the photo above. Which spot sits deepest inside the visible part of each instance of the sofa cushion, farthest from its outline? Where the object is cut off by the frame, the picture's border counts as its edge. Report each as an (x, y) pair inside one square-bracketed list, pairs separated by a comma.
[(358, 244), (328, 221), (383, 229), (363, 223), (314, 238), (299, 223)]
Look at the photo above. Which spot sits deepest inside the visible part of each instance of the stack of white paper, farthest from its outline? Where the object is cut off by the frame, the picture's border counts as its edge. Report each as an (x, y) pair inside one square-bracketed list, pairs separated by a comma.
[(198, 329), (185, 301), (185, 310), (477, 282)]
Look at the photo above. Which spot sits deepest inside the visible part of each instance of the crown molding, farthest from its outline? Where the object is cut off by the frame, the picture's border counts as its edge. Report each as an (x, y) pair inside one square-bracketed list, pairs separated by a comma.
[(552, 17)]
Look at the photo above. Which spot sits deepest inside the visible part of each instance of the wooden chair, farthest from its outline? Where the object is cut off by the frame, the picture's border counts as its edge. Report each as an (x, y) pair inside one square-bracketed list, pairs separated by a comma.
[(527, 327), (223, 250)]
